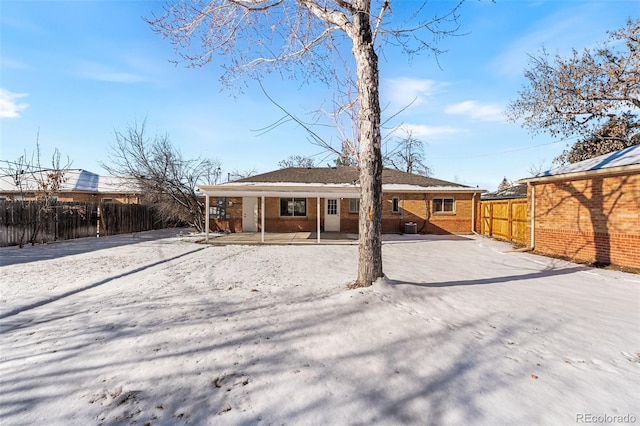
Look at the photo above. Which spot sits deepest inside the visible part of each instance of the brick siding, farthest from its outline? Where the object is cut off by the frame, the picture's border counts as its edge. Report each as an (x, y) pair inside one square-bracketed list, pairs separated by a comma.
[(412, 208), (591, 220)]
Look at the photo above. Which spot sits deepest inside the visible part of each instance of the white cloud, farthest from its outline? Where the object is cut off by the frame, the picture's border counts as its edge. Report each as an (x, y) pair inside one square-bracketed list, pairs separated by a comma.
[(99, 72), (403, 91), (9, 105), (476, 111), (571, 27), (11, 63), (422, 130)]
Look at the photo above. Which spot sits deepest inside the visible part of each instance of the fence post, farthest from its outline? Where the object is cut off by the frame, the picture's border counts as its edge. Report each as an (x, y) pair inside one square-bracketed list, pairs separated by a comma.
[(509, 219), (98, 223)]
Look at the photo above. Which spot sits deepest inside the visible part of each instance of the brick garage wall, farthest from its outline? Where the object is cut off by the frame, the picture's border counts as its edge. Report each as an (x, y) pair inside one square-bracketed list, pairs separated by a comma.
[(458, 223), (591, 220), (416, 207), (413, 208)]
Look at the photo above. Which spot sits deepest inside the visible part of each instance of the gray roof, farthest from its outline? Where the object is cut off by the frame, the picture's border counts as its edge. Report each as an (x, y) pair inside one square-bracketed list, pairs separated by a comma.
[(344, 175), (512, 192), (75, 180), (625, 157)]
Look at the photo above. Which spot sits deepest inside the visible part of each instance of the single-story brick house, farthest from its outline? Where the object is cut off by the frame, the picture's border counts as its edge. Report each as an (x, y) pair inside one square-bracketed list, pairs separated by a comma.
[(327, 199), (588, 211), (77, 186)]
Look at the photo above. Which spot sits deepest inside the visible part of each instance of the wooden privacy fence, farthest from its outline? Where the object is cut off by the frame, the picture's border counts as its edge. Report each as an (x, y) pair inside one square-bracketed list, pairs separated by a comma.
[(24, 222), (125, 218), (505, 219)]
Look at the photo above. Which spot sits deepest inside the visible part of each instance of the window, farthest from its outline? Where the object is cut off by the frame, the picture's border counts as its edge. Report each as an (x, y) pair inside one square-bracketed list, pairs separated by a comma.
[(218, 210), (293, 206), (354, 205), (444, 205), (332, 207), (395, 205)]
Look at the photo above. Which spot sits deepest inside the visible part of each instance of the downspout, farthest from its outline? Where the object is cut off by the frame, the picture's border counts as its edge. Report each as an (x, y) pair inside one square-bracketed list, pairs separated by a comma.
[(533, 216), (426, 214), (473, 214)]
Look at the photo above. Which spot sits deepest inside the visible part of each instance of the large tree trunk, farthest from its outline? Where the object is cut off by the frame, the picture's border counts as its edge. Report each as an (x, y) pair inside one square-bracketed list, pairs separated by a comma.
[(370, 224)]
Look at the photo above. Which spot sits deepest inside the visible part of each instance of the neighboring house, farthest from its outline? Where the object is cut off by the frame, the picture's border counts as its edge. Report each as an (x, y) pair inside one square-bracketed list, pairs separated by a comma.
[(513, 192), (327, 199), (504, 214), (77, 186), (588, 211)]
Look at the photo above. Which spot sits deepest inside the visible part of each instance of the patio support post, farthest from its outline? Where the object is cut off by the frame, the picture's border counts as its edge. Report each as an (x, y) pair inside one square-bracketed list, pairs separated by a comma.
[(262, 218), (206, 217), (318, 219)]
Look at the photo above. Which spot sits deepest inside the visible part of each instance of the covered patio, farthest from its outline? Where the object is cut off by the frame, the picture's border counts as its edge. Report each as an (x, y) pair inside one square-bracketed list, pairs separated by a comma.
[(283, 238), (260, 192)]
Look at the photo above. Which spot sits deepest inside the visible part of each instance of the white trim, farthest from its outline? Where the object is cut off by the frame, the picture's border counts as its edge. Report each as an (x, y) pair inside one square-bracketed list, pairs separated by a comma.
[(335, 218), (299, 190), (433, 206), (395, 205), (631, 169), (206, 224), (262, 219)]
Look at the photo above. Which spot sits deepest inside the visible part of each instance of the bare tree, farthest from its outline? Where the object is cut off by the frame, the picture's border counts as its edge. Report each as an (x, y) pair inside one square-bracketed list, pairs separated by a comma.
[(36, 183), (616, 134), (168, 180), (306, 35), (296, 161), (594, 94), (408, 155), (236, 174)]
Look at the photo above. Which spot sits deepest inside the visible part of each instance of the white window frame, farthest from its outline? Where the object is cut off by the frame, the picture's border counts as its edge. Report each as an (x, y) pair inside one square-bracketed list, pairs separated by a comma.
[(354, 205), (395, 205), (292, 199), (443, 204)]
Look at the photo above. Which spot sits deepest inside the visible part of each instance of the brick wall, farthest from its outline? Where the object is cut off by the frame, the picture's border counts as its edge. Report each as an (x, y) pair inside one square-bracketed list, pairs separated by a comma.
[(592, 220), (273, 222), (412, 208), (233, 222)]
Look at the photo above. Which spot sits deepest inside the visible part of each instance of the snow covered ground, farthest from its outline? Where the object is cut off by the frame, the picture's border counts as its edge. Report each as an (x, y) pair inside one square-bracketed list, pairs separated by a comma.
[(162, 331)]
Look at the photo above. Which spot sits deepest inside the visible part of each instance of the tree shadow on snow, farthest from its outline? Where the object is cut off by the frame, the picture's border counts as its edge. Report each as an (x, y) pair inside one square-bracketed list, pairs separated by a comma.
[(210, 355), (14, 255), (548, 272)]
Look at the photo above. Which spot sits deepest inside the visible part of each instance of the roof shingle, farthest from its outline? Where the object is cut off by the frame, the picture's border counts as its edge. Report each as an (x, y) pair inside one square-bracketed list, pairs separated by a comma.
[(344, 175)]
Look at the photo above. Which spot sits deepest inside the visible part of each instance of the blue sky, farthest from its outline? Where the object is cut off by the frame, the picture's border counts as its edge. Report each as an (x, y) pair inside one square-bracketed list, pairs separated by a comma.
[(75, 71)]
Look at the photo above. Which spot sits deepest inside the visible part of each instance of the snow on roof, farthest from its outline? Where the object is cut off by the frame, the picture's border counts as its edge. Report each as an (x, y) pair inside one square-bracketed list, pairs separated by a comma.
[(512, 192), (355, 187), (76, 180), (625, 157), (316, 181)]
